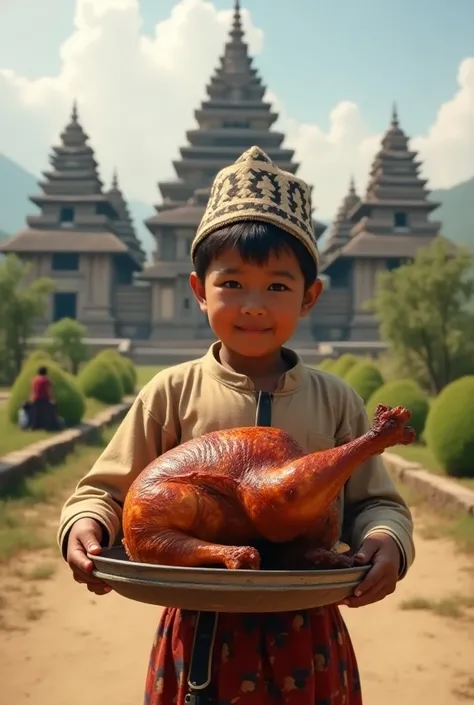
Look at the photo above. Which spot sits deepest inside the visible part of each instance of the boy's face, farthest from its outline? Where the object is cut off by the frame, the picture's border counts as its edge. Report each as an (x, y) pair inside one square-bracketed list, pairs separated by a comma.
[(254, 309)]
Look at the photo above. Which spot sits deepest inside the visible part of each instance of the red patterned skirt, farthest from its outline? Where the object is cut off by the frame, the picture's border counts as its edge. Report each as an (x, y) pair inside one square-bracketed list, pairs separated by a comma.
[(290, 658)]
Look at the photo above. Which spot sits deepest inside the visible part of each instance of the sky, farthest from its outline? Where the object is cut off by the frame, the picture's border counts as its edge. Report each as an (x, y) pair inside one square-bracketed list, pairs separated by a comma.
[(138, 69)]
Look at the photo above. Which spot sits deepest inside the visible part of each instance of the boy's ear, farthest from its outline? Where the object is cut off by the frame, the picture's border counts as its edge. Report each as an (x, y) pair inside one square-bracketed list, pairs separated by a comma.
[(199, 291), (311, 296)]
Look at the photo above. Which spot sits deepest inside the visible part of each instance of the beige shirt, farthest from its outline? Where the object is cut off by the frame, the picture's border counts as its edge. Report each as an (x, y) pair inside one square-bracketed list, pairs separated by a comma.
[(185, 401)]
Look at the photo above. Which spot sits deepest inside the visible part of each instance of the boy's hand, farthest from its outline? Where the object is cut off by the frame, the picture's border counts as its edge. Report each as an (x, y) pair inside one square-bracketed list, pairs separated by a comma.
[(85, 537), (384, 554)]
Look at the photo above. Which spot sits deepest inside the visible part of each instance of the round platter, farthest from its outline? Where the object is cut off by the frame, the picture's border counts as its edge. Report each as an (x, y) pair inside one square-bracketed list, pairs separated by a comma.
[(222, 590)]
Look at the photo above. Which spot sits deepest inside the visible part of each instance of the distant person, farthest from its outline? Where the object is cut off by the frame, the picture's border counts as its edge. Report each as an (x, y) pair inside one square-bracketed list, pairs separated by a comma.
[(41, 386), (42, 409)]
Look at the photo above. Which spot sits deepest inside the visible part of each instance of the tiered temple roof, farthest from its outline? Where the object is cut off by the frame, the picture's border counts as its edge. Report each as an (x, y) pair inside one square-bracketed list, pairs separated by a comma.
[(124, 225), (74, 169), (394, 176), (392, 218), (233, 118), (341, 227), (76, 215)]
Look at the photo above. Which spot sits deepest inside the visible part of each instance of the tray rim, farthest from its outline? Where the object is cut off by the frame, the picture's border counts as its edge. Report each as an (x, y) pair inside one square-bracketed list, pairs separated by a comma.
[(190, 571), (232, 587)]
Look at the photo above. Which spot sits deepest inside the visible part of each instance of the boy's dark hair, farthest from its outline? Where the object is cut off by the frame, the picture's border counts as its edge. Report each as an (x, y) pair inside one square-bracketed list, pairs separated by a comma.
[(255, 242), (43, 371)]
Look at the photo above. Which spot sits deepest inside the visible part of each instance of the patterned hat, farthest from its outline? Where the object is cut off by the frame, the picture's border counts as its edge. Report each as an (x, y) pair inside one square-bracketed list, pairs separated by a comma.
[(254, 188)]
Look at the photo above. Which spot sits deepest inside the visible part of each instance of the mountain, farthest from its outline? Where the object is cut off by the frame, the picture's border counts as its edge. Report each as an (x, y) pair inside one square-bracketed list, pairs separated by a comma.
[(17, 185), (456, 211)]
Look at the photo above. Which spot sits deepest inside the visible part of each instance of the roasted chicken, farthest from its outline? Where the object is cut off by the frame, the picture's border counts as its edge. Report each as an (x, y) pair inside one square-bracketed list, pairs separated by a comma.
[(249, 498)]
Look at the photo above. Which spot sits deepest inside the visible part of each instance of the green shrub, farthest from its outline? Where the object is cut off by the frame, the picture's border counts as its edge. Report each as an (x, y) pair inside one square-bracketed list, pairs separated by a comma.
[(132, 369), (66, 392), (100, 380), (38, 357), (343, 364), (449, 429), (403, 392), (391, 368), (122, 366), (326, 364), (365, 379)]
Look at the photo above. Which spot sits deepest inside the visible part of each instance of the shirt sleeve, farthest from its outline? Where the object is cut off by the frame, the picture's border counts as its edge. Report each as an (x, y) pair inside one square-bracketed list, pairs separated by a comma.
[(372, 502), (101, 493)]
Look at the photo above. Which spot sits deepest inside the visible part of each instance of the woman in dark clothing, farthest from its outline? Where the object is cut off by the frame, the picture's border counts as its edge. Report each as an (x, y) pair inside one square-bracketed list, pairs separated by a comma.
[(42, 411)]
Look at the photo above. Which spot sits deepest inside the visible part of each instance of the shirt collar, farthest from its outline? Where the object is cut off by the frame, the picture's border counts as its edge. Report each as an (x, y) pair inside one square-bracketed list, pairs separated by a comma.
[(289, 382)]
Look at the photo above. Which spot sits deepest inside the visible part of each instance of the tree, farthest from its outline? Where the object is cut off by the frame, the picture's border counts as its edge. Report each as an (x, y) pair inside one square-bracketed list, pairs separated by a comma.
[(21, 302), (425, 314), (66, 343)]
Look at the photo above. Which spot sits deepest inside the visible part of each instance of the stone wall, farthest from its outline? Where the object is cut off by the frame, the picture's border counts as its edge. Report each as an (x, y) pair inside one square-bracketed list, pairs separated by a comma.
[(441, 492), (37, 456)]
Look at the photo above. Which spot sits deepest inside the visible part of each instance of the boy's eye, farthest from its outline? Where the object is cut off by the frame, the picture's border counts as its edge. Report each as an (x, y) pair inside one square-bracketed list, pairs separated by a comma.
[(230, 284)]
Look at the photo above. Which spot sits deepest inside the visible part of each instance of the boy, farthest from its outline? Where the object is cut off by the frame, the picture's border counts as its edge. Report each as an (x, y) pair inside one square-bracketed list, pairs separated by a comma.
[(256, 265)]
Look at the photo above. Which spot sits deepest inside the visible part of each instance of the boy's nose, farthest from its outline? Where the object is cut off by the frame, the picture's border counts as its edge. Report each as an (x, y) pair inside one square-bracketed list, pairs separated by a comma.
[(253, 308)]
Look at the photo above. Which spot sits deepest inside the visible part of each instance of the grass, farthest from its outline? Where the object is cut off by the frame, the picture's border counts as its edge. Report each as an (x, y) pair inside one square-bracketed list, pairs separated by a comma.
[(441, 524), (27, 518), (453, 607), (419, 453), (14, 438), (146, 372), (42, 571)]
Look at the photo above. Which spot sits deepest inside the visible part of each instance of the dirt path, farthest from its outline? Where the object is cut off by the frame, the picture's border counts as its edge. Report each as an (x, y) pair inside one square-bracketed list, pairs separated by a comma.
[(61, 646)]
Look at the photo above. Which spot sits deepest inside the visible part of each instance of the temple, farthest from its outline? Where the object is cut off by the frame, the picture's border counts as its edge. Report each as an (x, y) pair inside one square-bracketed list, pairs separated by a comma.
[(84, 237), (123, 225), (340, 232), (232, 119), (78, 240), (389, 225)]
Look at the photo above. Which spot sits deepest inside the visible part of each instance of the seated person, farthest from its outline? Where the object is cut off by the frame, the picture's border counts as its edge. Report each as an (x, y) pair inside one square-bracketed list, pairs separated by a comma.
[(42, 411)]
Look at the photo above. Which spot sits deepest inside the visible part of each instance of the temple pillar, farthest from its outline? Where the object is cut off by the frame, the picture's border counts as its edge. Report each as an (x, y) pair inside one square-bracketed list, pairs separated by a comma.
[(364, 325), (96, 296)]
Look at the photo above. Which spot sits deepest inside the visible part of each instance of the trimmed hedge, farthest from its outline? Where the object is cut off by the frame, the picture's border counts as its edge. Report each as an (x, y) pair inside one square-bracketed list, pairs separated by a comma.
[(124, 368), (365, 378), (100, 380), (403, 392), (39, 357), (66, 392), (132, 370), (449, 431), (326, 364), (343, 364)]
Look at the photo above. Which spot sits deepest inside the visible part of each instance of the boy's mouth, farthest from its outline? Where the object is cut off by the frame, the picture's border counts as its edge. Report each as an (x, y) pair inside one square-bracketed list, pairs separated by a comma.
[(253, 329)]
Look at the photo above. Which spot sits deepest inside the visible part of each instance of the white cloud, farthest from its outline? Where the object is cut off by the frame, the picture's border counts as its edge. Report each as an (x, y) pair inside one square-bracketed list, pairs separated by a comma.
[(137, 95), (328, 159), (448, 147)]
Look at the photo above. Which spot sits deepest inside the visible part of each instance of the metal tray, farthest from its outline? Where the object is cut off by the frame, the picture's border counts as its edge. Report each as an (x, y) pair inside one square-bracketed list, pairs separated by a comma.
[(221, 590)]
